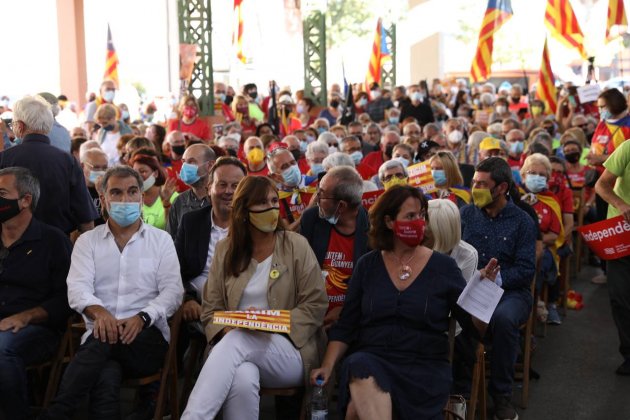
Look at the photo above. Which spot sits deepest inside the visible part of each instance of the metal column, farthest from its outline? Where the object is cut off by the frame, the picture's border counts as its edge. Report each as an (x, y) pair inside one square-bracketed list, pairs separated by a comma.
[(195, 27), (315, 85), (388, 70)]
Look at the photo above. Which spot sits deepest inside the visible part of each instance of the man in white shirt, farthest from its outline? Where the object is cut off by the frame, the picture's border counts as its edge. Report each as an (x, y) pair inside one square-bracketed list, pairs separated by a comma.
[(124, 279), (200, 230)]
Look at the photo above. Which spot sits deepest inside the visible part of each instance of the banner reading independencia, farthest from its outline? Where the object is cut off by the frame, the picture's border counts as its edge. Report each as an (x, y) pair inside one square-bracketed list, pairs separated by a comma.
[(271, 320), (609, 239)]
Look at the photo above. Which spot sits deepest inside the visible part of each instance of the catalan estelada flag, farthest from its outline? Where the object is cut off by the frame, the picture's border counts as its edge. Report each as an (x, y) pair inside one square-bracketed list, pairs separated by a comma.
[(563, 25), (546, 89), (380, 55), (616, 17), (497, 13), (237, 37), (111, 63)]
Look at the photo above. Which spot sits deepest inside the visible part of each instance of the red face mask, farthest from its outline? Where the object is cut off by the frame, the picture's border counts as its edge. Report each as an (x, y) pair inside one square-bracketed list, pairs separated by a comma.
[(190, 112), (411, 232), (556, 181)]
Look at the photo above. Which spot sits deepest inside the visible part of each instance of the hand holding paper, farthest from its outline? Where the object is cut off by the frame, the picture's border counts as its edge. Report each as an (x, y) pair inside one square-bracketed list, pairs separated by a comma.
[(480, 297)]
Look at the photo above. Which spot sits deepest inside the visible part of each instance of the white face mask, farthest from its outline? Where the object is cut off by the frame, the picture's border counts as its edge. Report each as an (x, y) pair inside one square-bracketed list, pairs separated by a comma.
[(148, 183), (455, 136), (501, 109)]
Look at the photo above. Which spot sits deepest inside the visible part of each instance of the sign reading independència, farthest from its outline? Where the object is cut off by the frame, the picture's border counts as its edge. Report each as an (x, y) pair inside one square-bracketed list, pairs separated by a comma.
[(271, 320), (608, 239)]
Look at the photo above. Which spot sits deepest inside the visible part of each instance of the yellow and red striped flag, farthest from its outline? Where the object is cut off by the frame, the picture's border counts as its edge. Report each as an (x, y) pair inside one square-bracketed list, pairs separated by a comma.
[(616, 17), (546, 89), (111, 62), (562, 23), (497, 13), (380, 54), (237, 36)]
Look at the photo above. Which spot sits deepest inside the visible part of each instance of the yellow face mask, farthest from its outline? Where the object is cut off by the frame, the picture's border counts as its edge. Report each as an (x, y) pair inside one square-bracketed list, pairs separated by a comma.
[(255, 155), (394, 181), (481, 197), (536, 110), (265, 220)]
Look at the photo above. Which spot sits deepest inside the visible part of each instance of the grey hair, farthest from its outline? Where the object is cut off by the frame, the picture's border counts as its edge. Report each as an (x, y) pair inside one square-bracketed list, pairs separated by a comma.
[(322, 120), (490, 85), (390, 164), (495, 129), (89, 153), (486, 98), (224, 140), (349, 186), (35, 113), (276, 152), (316, 146), (327, 137), (337, 159), (90, 144), (25, 183), (229, 126), (120, 172)]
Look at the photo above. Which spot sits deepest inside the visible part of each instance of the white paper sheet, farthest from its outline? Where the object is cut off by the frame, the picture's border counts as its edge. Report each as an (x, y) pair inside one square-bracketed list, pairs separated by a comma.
[(480, 298)]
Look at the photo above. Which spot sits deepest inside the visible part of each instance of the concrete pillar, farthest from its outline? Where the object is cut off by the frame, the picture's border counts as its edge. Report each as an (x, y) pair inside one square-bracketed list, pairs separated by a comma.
[(72, 67)]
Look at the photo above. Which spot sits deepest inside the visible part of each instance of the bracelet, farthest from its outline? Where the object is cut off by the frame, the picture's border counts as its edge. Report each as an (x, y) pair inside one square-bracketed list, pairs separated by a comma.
[(166, 204)]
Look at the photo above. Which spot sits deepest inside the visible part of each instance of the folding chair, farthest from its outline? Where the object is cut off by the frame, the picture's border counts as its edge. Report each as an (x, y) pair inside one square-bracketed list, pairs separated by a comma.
[(167, 375)]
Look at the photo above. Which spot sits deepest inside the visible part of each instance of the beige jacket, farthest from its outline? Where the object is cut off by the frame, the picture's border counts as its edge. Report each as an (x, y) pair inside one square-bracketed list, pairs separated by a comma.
[(299, 288)]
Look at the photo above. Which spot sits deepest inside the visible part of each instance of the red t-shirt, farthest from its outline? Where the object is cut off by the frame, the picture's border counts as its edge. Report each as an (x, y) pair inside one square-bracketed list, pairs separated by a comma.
[(365, 171), (559, 187), (263, 172), (374, 160), (173, 172), (547, 219), (578, 179), (514, 163), (337, 267), (304, 166), (198, 128)]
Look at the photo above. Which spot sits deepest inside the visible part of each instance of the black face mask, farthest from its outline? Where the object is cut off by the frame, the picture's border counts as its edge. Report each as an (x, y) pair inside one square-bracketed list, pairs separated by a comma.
[(253, 94), (8, 209), (389, 150), (516, 99), (572, 157), (334, 104), (297, 154), (231, 152), (551, 131), (178, 150), (228, 99)]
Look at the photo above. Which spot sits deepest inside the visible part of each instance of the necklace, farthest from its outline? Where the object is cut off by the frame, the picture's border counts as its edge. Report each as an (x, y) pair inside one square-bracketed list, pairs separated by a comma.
[(404, 272)]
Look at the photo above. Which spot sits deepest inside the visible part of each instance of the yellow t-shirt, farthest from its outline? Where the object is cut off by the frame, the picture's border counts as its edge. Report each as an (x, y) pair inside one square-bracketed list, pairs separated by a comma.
[(154, 214)]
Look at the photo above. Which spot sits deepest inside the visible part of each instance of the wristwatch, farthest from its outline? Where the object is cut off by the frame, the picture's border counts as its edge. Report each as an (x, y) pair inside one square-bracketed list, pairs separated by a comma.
[(145, 318)]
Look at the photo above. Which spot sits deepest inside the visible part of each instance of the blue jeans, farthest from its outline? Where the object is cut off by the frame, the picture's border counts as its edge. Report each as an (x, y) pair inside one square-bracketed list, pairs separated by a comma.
[(31, 345), (511, 312)]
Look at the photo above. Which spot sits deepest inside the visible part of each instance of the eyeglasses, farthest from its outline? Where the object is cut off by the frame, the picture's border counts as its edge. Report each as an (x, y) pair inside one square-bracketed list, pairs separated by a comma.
[(4, 253)]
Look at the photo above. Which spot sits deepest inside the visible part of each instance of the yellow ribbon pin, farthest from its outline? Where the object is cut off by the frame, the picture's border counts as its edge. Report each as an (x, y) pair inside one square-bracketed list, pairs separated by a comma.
[(274, 274)]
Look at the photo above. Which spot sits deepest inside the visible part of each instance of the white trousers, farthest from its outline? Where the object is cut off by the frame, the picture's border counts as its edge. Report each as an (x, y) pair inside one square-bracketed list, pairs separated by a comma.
[(237, 367)]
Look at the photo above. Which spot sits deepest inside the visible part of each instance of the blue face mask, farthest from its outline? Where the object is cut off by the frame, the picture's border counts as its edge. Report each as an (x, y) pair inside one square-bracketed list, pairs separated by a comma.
[(402, 160), (303, 145), (317, 168), (125, 114), (221, 97), (292, 176), (330, 219), (516, 147), (439, 176), (605, 115), (188, 174), (535, 183), (124, 214), (94, 176), (321, 130), (356, 157), (394, 120)]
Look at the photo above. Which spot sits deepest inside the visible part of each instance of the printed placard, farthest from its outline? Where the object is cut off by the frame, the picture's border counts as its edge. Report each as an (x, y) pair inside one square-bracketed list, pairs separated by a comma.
[(608, 239), (270, 320), (420, 176), (369, 198), (589, 93)]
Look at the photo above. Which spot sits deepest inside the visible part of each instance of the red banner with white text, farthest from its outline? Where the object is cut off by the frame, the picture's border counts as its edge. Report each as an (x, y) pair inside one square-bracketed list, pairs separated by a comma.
[(608, 239)]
